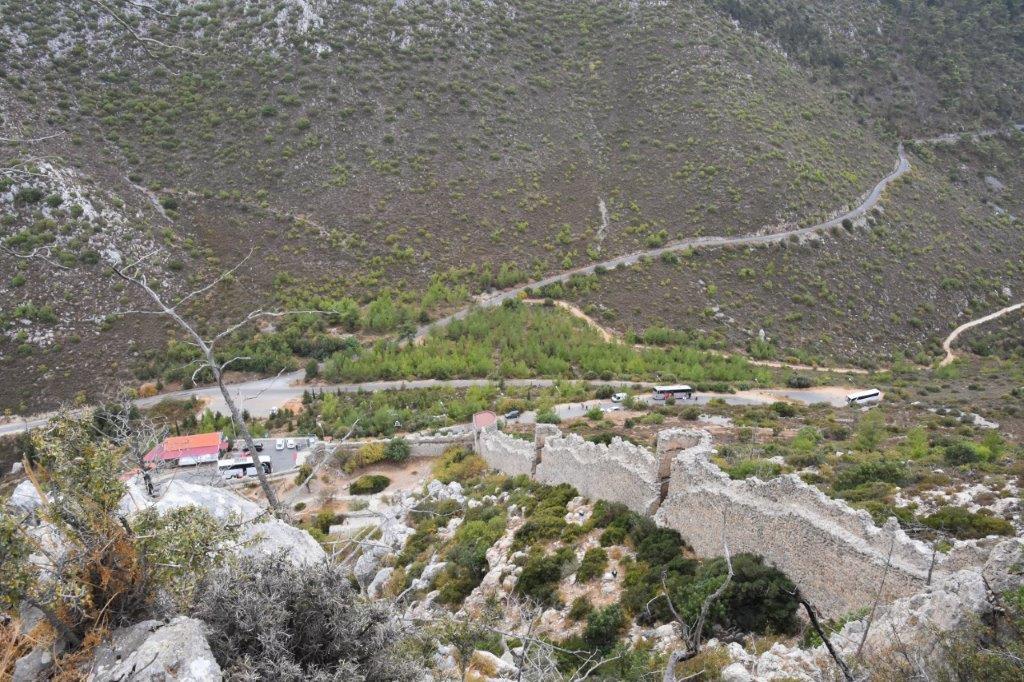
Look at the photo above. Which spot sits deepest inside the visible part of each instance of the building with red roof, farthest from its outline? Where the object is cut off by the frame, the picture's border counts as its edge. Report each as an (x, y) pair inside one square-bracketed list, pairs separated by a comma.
[(187, 450)]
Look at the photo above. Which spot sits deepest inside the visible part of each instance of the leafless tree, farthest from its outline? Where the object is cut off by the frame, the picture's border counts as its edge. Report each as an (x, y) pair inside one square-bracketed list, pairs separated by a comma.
[(120, 421), (134, 274), (693, 635)]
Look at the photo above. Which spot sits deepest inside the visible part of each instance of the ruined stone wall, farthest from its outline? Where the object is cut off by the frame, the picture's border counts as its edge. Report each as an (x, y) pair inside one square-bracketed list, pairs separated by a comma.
[(835, 554), (420, 445), (617, 472), (506, 453)]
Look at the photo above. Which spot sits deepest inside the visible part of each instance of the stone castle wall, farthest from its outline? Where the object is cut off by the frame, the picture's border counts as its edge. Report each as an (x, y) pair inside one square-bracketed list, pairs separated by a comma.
[(506, 453), (617, 472), (419, 445), (835, 554)]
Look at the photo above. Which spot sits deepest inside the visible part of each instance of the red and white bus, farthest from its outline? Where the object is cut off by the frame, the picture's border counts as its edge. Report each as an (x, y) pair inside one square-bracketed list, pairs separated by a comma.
[(677, 391)]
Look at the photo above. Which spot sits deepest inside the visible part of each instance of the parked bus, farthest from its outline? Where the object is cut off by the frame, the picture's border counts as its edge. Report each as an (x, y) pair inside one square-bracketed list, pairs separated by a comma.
[(674, 391), (242, 467), (868, 397)]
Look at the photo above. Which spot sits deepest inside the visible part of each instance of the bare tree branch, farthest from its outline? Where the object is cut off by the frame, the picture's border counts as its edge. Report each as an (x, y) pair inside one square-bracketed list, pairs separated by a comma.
[(132, 276), (693, 636), (816, 624)]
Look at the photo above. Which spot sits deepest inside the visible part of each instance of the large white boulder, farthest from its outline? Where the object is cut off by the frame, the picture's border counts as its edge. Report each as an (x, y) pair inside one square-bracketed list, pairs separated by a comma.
[(262, 535), (223, 504), (277, 537), (24, 499), (151, 651)]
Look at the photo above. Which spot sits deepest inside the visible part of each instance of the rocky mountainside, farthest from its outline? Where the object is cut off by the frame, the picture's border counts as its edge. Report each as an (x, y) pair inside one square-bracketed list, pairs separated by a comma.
[(356, 148)]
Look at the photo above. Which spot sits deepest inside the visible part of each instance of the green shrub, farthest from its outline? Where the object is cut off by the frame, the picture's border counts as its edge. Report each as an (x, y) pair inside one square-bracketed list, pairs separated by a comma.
[(326, 518), (458, 464), (880, 469), (613, 536), (580, 609), (546, 519), (660, 546), (605, 512), (966, 525), (369, 484), (799, 381), (397, 450), (760, 598), (960, 453), (467, 555), (762, 468), (303, 473), (604, 626), (371, 453), (880, 512), (783, 409), (593, 565), (548, 417), (541, 575)]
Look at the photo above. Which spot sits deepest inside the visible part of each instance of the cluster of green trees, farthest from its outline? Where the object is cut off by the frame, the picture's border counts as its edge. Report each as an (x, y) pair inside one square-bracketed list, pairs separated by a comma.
[(520, 341)]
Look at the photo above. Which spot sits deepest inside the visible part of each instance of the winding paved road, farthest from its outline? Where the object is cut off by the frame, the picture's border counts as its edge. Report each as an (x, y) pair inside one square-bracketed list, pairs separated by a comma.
[(756, 239)]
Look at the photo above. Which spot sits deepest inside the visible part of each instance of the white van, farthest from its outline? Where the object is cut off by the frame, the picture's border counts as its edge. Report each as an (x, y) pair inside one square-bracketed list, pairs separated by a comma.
[(868, 397)]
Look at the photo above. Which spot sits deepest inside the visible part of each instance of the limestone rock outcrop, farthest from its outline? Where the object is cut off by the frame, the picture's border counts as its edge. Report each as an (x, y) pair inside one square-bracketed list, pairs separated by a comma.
[(153, 651)]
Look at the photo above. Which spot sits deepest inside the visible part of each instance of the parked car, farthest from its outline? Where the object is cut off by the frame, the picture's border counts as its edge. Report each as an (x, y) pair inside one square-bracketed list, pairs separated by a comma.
[(513, 414), (259, 447), (619, 397), (279, 444), (290, 444), (311, 441)]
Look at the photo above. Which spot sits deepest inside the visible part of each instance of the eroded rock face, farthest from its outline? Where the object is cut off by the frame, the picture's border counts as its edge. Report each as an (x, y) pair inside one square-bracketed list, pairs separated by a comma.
[(153, 651)]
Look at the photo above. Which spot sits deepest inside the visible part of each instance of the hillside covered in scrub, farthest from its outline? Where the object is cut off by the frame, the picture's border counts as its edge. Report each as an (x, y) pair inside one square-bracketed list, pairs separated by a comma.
[(411, 155)]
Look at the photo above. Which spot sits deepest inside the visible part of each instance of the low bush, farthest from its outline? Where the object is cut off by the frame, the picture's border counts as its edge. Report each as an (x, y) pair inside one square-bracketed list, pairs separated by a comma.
[(271, 633), (546, 519), (397, 450), (467, 555), (593, 565), (966, 525), (580, 609), (541, 575), (878, 469), (458, 464), (762, 468), (760, 598), (371, 453), (369, 484), (960, 453), (604, 626)]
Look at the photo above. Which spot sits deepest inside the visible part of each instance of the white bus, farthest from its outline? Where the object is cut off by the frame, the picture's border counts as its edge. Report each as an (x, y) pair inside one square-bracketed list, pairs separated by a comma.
[(673, 391), (868, 397), (242, 467)]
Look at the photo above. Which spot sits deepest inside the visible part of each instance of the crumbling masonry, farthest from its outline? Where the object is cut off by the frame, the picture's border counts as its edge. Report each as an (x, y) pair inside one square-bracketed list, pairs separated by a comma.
[(836, 555)]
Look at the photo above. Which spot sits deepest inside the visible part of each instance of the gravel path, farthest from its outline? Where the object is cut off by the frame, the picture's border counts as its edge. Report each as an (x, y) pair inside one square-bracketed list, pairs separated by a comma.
[(756, 239)]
